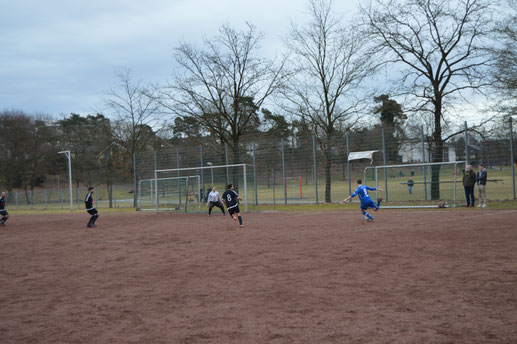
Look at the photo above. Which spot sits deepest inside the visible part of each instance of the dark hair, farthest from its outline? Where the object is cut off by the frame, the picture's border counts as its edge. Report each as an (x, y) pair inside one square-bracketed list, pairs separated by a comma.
[(229, 186), (90, 188), (359, 181), (482, 165)]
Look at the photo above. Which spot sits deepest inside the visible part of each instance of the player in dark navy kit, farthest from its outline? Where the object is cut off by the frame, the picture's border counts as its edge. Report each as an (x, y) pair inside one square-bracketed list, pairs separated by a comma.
[(230, 198), (90, 208), (364, 197), (3, 212)]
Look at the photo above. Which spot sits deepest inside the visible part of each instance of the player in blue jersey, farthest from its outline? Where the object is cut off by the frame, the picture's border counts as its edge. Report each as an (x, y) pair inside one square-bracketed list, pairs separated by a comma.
[(364, 197)]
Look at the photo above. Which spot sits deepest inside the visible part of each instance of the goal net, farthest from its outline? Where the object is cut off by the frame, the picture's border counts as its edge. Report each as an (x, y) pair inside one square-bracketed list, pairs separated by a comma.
[(182, 193), (173, 193), (417, 185), (294, 187)]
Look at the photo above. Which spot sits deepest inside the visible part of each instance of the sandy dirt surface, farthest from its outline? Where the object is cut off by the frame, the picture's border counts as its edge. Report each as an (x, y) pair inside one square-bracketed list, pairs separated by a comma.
[(434, 276)]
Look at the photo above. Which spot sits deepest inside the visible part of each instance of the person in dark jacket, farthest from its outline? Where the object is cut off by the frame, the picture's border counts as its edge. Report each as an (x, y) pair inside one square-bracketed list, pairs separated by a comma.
[(469, 180), (89, 202), (410, 184), (481, 181)]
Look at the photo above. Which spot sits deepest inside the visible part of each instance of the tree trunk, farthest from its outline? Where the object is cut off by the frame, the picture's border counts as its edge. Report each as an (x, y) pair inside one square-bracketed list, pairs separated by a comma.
[(437, 151), (109, 186)]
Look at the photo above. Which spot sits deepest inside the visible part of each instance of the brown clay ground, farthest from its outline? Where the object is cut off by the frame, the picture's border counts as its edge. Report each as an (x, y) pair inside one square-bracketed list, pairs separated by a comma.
[(411, 277)]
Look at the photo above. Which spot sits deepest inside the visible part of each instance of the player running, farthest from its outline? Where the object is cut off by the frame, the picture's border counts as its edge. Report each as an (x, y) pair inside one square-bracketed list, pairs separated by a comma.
[(366, 201), (230, 198), (3, 212), (214, 200), (89, 203)]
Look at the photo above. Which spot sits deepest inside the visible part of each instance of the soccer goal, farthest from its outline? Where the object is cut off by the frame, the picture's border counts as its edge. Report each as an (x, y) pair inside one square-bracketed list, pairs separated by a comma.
[(175, 193), (218, 176), (411, 185), (294, 187)]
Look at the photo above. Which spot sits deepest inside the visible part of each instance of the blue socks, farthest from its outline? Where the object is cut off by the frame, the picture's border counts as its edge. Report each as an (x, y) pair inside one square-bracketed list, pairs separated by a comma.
[(367, 215)]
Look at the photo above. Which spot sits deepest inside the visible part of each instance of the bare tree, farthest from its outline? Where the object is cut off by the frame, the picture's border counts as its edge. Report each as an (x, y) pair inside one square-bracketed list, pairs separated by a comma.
[(223, 84), (331, 62), (441, 43), (134, 109)]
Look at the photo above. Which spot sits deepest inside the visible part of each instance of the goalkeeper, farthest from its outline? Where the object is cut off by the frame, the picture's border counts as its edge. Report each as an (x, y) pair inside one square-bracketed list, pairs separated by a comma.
[(364, 197)]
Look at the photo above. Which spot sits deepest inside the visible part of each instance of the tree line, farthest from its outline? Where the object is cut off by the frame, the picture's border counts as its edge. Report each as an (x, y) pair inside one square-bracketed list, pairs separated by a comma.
[(433, 56)]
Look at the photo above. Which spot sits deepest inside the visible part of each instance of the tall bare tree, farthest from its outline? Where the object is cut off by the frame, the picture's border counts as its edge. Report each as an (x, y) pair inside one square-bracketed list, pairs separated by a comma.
[(133, 109), (331, 62), (442, 45), (223, 84)]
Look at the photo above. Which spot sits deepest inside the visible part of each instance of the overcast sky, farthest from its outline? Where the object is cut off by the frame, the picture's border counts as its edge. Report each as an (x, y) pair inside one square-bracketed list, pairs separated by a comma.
[(58, 57)]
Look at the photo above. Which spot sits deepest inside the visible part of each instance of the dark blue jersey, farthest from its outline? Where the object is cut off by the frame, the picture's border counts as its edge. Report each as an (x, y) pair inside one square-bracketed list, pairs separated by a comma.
[(2, 203), (88, 201), (230, 198)]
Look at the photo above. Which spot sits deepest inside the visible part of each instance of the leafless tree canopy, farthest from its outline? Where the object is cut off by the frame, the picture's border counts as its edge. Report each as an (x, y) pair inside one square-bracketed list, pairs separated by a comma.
[(442, 44), (331, 61), (222, 84), (134, 110)]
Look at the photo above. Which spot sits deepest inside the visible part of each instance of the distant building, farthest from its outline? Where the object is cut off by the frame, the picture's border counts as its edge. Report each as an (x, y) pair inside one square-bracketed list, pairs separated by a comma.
[(412, 152)]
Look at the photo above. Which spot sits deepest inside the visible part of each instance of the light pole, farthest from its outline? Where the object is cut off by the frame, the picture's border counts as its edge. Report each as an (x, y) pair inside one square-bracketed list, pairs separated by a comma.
[(69, 157), (211, 173)]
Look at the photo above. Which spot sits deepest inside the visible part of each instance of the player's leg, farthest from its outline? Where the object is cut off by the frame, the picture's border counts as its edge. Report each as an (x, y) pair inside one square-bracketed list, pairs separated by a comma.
[(218, 204), (472, 197), (364, 207), (239, 217), (5, 216), (211, 205)]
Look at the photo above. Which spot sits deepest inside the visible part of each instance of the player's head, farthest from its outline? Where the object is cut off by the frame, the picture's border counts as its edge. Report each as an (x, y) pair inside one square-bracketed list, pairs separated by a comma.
[(90, 189), (213, 188), (3, 194), (481, 166), (469, 167), (230, 186), (359, 182)]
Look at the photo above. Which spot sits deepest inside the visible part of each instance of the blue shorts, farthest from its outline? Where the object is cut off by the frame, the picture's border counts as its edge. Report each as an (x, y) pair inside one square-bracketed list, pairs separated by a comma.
[(369, 204)]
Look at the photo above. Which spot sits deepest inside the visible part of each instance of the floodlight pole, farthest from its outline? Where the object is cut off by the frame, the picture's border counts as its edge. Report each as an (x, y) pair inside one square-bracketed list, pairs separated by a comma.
[(69, 157)]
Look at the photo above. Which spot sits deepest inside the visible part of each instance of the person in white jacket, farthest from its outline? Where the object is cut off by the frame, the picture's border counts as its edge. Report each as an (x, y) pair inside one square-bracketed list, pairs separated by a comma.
[(214, 200)]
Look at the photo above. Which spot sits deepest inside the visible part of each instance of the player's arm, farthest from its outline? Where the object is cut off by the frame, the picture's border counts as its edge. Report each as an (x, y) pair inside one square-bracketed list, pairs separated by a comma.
[(350, 197)]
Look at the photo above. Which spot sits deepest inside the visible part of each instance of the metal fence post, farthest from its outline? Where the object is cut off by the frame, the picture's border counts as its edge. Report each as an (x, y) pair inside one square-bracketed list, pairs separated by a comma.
[(135, 198), (77, 195), (274, 196), (283, 171), (384, 160), (255, 173), (156, 181), (16, 198), (177, 166), (466, 144), (347, 136), (114, 197), (512, 157), (423, 161), (46, 198), (315, 169), (202, 170), (227, 163), (31, 200)]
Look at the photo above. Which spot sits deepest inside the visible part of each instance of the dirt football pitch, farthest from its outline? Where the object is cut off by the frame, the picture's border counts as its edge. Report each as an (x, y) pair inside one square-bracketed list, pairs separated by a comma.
[(436, 276)]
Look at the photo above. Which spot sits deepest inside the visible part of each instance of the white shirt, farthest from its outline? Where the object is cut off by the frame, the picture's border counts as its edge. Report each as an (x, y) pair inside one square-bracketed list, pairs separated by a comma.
[(213, 196)]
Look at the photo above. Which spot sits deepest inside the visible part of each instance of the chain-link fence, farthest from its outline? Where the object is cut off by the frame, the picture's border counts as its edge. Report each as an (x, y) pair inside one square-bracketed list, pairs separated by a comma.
[(300, 170), (308, 169)]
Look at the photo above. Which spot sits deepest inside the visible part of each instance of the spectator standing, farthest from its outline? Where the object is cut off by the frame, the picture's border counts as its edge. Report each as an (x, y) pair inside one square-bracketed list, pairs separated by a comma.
[(410, 184), (469, 180), (481, 181)]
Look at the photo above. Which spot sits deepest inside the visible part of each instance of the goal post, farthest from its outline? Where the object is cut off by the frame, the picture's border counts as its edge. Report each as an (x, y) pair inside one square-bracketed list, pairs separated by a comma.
[(411, 183), (239, 172)]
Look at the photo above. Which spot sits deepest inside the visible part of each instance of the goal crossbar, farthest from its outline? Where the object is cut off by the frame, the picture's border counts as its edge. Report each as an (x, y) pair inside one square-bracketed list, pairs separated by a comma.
[(168, 170)]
